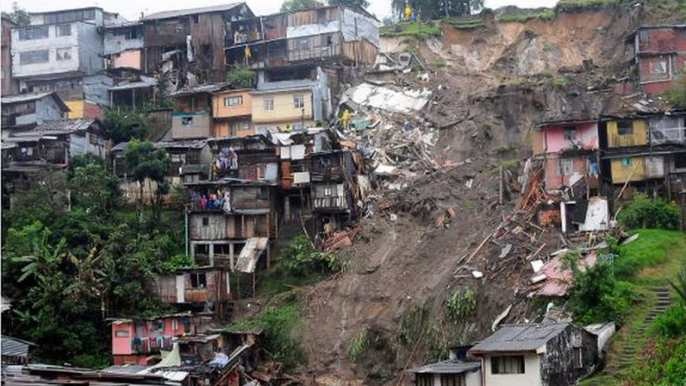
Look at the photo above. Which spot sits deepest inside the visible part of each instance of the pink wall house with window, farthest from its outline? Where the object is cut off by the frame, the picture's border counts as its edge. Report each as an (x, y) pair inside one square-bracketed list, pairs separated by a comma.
[(134, 340)]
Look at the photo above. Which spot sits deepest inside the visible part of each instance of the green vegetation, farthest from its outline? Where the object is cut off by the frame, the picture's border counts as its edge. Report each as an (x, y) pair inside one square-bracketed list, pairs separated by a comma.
[(560, 81), (467, 24), (18, 16), (358, 346), (521, 17), (123, 126), (241, 77), (650, 249), (176, 262), (460, 304), (507, 164), (582, 5), (145, 162), (644, 212), (302, 259), (406, 29), (438, 9), (67, 271), (280, 329), (295, 5)]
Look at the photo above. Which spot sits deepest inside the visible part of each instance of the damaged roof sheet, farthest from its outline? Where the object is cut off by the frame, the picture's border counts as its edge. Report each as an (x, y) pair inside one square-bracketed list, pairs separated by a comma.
[(447, 367), (62, 126), (250, 254), (520, 337), (144, 82), (13, 347), (405, 102), (558, 279), (204, 88)]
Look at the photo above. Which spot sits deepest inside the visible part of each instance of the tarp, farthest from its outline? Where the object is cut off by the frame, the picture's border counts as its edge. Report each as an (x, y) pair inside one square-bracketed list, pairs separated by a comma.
[(312, 29), (250, 254)]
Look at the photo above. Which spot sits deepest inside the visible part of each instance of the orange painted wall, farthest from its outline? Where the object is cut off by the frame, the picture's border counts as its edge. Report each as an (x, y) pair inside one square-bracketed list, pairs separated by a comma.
[(128, 59), (220, 111)]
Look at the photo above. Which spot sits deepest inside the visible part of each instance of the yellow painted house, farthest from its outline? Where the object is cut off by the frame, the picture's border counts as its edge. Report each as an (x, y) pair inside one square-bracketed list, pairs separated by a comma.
[(637, 168), (83, 109), (279, 109), (627, 133)]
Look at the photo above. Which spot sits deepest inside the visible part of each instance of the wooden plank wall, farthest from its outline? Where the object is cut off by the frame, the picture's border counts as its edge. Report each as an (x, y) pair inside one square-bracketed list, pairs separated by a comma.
[(364, 51), (317, 47), (208, 40), (321, 16), (275, 26)]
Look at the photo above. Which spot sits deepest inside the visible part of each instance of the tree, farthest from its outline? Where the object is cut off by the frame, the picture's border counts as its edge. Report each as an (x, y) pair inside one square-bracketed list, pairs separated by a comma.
[(295, 5), (357, 3), (18, 16), (439, 9), (241, 77), (125, 125), (93, 188), (145, 162)]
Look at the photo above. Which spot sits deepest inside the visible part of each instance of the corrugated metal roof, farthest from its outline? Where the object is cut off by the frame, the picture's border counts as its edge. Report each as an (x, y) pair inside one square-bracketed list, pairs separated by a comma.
[(250, 254), (203, 88), (520, 337), (61, 126), (126, 369), (447, 367), (32, 96), (191, 11), (13, 347), (5, 303), (145, 82)]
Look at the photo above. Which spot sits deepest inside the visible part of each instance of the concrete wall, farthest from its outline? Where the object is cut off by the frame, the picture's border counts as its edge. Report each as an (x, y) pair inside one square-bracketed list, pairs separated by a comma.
[(52, 43), (199, 126), (90, 49), (128, 59), (113, 44), (554, 179), (233, 128), (9, 85), (531, 376), (284, 108)]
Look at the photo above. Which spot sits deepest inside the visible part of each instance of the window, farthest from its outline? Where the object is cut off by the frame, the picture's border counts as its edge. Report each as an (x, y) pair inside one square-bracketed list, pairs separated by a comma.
[(264, 193), (327, 40), (198, 280), (302, 44), (570, 134), (175, 324), (680, 161), (268, 104), (298, 101), (626, 162), (452, 380), (63, 53), (424, 380), (187, 121), (121, 334), (625, 128), (566, 167), (578, 358), (205, 221), (507, 365), (658, 66), (233, 101), (33, 57), (69, 16), (64, 30), (33, 33)]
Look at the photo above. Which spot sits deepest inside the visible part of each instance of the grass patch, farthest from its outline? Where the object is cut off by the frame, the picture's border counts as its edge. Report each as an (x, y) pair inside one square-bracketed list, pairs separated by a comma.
[(440, 63), (276, 281), (586, 5), (652, 248), (358, 346), (467, 24), (521, 17), (560, 81), (406, 29), (280, 329)]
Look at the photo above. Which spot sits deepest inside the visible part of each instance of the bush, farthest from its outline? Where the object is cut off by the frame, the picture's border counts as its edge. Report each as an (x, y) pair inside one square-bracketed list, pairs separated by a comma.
[(241, 77), (358, 346), (460, 304), (176, 262), (279, 326), (671, 323), (643, 212), (596, 296), (301, 259)]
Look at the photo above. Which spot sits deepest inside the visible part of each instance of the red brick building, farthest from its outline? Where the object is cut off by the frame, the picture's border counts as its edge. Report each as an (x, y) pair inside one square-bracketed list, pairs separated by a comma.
[(660, 53)]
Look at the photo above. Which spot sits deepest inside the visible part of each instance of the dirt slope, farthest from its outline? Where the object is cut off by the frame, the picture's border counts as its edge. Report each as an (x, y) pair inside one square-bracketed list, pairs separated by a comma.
[(498, 81)]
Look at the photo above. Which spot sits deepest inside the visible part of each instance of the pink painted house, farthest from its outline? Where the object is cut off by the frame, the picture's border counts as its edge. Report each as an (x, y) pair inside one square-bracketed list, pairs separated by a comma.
[(134, 340), (570, 152)]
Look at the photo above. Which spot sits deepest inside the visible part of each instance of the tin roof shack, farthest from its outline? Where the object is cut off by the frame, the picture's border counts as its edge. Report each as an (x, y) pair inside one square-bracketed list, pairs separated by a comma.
[(135, 339), (123, 46), (450, 372), (232, 112), (333, 34), (648, 151), (569, 150), (660, 55), (135, 91), (16, 351), (201, 289), (296, 104), (251, 159), (9, 84), (29, 110), (192, 116), (546, 354), (230, 225), (41, 375), (196, 34)]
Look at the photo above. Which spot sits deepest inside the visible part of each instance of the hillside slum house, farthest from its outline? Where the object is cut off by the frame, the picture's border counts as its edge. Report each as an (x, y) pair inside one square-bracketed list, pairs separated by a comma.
[(334, 33), (659, 53), (190, 42), (192, 116), (204, 289), (546, 354), (26, 111)]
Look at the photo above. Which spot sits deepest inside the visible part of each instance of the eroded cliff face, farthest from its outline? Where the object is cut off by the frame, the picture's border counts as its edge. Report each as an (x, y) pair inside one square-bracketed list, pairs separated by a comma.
[(491, 86)]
